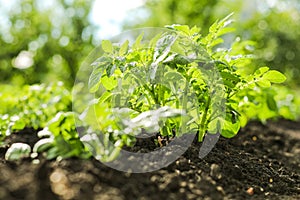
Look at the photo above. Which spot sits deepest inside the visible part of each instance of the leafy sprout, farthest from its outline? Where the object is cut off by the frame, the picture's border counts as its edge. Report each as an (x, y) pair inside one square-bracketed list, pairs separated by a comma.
[(182, 69)]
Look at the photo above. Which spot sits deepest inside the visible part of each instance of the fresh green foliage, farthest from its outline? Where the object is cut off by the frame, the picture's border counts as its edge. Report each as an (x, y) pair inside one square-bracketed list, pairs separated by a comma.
[(137, 80), (109, 129), (53, 38), (182, 69), (31, 106), (60, 138), (40, 106), (178, 83)]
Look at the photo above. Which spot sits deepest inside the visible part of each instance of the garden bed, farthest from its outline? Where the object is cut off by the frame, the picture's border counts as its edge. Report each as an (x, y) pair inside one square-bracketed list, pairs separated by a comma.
[(261, 162)]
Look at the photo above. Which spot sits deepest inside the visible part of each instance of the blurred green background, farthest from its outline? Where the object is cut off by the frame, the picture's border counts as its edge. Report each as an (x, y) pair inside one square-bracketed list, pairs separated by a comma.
[(44, 42)]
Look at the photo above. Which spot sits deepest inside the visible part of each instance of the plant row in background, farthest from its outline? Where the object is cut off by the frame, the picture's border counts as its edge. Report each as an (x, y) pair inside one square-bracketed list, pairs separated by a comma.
[(179, 82), (36, 107)]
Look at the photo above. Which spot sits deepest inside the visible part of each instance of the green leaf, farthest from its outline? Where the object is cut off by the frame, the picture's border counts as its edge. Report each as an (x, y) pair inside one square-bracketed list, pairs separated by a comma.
[(19, 125), (106, 95), (124, 48), (216, 41), (182, 28), (173, 76), (94, 80), (163, 47), (170, 58), (102, 61), (195, 30), (137, 43), (154, 40), (171, 79), (109, 82), (178, 59), (99, 65), (62, 121), (274, 76), (272, 105), (184, 60), (261, 71), (110, 69), (107, 46), (226, 30), (263, 83), (229, 128), (161, 51), (229, 76), (243, 120), (214, 126), (213, 28)]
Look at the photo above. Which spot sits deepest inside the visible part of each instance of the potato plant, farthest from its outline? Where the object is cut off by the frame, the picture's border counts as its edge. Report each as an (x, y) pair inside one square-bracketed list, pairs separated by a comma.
[(182, 70), (31, 106)]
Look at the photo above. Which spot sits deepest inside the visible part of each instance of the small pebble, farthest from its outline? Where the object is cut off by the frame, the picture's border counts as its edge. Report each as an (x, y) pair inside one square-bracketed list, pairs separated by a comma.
[(191, 185), (36, 161), (183, 184), (182, 190), (250, 191), (197, 192), (271, 180), (220, 189)]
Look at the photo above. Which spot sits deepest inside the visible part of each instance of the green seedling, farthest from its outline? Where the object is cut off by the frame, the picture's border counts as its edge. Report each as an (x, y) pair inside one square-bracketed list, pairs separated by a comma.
[(182, 69), (60, 138), (174, 62)]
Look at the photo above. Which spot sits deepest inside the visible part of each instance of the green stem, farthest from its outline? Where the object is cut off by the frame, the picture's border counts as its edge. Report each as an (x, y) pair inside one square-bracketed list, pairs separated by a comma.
[(155, 97), (162, 94), (204, 120), (184, 106), (145, 86), (118, 96)]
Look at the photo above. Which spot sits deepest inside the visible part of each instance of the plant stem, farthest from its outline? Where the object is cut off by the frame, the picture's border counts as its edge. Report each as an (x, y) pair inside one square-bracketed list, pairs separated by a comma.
[(118, 96), (184, 106), (145, 86), (203, 122)]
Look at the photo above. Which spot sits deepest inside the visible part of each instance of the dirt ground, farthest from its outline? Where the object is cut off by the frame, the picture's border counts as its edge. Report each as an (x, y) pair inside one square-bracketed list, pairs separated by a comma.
[(261, 162)]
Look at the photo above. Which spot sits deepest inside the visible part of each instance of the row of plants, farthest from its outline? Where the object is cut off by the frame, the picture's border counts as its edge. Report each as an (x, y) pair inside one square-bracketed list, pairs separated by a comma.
[(179, 82), (36, 107)]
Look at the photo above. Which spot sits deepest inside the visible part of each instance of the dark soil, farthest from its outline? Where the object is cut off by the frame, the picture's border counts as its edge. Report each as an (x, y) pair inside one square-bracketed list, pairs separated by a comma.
[(261, 162)]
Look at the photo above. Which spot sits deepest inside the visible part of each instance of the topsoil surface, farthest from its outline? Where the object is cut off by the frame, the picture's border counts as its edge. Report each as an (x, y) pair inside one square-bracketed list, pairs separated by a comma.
[(261, 162)]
